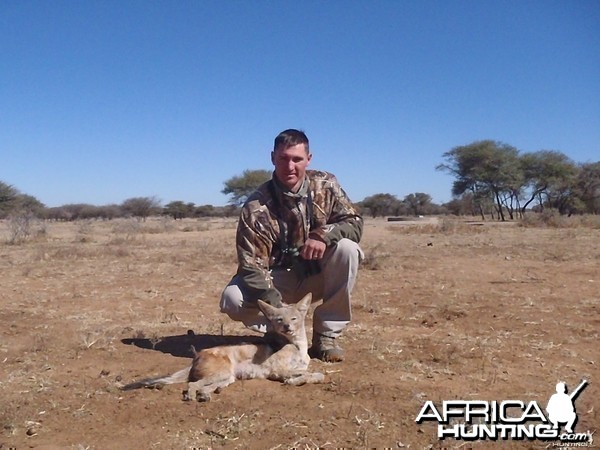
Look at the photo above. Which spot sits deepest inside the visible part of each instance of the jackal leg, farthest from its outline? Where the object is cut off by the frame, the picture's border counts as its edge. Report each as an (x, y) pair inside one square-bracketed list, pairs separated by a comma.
[(305, 378), (201, 390)]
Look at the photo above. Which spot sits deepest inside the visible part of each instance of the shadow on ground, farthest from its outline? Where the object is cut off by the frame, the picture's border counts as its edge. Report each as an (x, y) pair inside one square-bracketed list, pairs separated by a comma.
[(181, 345)]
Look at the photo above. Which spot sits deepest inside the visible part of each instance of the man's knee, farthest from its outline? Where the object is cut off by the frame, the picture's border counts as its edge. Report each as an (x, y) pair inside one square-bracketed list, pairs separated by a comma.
[(231, 302), (348, 250)]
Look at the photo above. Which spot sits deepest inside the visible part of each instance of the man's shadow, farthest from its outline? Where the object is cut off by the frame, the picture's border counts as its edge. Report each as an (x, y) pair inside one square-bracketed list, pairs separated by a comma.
[(181, 345)]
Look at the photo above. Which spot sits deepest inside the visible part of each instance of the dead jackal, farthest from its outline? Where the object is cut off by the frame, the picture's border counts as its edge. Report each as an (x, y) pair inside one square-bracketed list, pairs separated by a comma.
[(214, 368)]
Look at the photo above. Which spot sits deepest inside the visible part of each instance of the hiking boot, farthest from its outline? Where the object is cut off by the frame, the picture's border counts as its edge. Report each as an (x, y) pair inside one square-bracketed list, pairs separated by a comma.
[(326, 349)]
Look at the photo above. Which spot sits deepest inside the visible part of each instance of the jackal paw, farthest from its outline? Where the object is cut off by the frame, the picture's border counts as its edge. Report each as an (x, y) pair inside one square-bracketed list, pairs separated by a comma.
[(202, 397)]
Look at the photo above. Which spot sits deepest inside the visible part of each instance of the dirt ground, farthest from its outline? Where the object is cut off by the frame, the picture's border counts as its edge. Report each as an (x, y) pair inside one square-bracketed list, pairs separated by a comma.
[(442, 311)]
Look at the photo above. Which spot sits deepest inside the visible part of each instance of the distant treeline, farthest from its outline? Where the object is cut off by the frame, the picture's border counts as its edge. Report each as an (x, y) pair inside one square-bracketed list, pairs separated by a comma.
[(491, 179), (139, 207), (13, 202)]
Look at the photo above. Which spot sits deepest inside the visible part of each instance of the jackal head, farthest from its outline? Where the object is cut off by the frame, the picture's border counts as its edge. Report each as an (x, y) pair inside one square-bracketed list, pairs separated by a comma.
[(288, 320)]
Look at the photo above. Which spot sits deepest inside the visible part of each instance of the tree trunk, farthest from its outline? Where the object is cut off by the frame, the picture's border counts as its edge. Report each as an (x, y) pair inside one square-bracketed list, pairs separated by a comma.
[(537, 193), (500, 212)]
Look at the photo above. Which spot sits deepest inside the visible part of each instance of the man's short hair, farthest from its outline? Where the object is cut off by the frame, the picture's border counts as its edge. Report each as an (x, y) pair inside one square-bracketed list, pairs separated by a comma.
[(289, 138)]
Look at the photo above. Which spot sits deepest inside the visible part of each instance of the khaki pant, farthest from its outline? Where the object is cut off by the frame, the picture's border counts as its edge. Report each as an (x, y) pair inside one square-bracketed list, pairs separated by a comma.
[(334, 284)]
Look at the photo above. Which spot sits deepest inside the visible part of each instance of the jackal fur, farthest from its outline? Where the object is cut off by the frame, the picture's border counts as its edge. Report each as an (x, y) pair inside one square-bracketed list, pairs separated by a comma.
[(215, 368)]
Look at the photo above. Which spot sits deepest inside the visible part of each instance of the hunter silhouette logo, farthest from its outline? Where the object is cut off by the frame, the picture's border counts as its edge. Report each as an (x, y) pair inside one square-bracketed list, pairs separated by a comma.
[(561, 408), (472, 420)]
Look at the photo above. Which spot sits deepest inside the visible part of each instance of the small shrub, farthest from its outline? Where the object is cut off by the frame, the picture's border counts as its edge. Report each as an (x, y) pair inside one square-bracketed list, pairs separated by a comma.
[(164, 225), (127, 230), (84, 227), (24, 226)]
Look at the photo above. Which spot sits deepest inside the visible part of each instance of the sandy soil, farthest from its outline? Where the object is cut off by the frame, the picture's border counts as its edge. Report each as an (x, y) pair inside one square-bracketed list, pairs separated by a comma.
[(442, 310)]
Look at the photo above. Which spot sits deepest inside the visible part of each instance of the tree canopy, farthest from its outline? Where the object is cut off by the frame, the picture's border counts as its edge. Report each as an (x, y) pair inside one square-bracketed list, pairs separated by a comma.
[(239, 187), (12, 201), (415, 204), (486, 169), (494, 173), (141, 207)]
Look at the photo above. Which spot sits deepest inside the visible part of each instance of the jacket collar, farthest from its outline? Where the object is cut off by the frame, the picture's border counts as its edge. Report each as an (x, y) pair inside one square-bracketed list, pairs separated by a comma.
[(285, 193)]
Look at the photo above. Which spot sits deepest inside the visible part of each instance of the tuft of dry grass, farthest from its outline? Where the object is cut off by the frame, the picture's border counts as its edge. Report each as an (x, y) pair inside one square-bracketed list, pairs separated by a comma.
[(376, 257), (551, 218)]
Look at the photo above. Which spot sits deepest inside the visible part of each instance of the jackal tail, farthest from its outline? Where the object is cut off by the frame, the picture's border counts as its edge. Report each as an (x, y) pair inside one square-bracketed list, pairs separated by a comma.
[(177, 377)]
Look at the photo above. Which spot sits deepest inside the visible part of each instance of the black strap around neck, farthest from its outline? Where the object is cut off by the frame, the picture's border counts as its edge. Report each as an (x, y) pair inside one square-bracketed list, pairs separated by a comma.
[(283, 237)]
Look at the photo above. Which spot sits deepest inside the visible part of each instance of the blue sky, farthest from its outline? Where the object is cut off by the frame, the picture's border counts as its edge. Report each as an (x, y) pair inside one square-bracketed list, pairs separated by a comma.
[(105, 100)]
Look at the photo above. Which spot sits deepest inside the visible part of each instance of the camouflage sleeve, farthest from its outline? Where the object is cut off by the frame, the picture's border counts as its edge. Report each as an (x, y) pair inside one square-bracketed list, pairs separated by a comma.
[(341, 219), (254, 246)]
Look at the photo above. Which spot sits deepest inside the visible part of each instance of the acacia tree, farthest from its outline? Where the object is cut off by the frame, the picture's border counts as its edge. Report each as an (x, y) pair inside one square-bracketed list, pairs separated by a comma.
[(462, 206), (382, 205), (14, 202), (8, 198), (486, 169), (241, 186), (548, 176), (178, 209), (587, 186), (418, 203), (141, 207), (30, 204)]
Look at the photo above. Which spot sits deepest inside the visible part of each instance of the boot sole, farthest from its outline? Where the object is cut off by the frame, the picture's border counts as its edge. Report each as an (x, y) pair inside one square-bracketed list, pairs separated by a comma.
[(325, 355)]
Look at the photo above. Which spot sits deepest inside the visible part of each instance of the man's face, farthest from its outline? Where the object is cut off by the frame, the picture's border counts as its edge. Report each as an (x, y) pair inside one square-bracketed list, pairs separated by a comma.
[(290, 165)]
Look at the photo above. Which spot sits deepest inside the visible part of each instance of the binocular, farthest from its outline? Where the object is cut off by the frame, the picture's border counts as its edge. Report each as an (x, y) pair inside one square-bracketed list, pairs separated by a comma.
[(303, 268)]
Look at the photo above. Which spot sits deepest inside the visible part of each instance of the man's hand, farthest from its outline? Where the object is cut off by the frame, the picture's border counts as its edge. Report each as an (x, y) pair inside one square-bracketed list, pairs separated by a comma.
[(313, 249)]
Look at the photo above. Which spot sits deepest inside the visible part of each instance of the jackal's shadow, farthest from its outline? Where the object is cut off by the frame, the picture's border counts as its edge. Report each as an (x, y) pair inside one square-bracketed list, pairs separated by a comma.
[(180, 345)]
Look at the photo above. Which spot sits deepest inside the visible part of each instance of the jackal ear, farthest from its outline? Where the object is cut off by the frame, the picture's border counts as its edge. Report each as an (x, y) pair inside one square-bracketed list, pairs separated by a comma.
[(267, 309), (304, 304)]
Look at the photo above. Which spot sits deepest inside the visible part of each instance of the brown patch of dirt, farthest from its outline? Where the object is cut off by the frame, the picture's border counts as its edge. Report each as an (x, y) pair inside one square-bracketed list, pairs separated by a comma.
[(442, 310)]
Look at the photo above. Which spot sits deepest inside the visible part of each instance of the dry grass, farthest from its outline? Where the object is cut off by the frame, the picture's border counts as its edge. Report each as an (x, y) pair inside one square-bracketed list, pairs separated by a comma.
[(552, 219), (442, 310)]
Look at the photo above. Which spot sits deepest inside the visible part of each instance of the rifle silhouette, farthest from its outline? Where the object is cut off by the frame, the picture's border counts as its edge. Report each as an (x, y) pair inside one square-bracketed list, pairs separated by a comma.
[(578, 389)]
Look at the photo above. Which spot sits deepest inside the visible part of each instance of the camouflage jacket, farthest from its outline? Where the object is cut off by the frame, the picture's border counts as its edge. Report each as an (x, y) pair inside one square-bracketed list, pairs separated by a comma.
[(263, 245)]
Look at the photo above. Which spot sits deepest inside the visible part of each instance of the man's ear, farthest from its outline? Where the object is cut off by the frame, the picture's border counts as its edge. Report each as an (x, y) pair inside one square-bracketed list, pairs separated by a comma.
[(273, 157)]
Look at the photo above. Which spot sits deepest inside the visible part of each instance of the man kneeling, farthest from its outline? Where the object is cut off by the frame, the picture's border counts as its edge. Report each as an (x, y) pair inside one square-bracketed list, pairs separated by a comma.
[(297, 233)]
